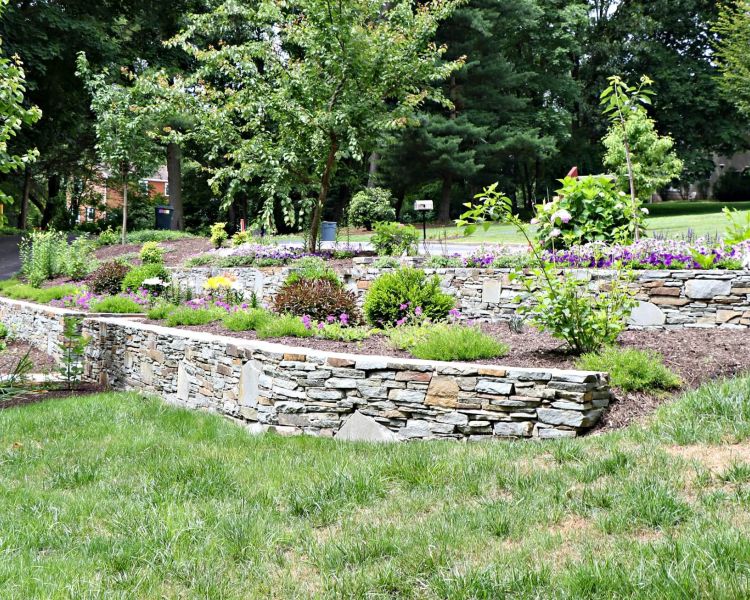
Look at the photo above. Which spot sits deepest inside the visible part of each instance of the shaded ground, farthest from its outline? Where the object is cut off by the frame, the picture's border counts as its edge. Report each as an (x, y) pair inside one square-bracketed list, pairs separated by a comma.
[(696, 355), (10, 262)]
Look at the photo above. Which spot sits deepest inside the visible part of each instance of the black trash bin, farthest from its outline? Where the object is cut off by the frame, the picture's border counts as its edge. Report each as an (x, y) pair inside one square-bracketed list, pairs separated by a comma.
[(164, 217)]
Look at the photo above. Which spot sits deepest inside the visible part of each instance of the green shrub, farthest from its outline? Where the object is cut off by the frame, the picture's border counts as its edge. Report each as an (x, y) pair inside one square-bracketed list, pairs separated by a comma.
[(182, 315), (733, 186), (12, 288), (241, 237), (43, 255), (137, 275), (79, 259), (4, 331), (247, 320), (160, 311), (371, 205), (631, 370), (202, 260), (284, 326), (317, 298), (443, 262), (392, 239), (218, 234), (587, 209), (386, 262), (447, 342), (403, 286), (108, 237), (311, 268), (107, 279), (116, 304), (156, 235), (152, 253)]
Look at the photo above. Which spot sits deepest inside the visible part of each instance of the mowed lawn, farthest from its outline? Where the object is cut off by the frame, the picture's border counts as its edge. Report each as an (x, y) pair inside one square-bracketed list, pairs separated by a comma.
[(119, 496), (675, 220)]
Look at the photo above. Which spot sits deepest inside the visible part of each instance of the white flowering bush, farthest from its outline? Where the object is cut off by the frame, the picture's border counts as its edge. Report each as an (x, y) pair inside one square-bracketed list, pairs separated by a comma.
[(588, 209)]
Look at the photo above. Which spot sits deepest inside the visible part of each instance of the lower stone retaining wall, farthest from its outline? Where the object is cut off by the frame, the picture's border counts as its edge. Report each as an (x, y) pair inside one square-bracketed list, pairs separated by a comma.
[(298, 390), (668, 299)]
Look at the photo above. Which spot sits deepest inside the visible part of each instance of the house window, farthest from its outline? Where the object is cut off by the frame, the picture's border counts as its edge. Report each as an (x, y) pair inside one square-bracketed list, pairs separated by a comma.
[(166, 189), (90, 213), (143, 184)]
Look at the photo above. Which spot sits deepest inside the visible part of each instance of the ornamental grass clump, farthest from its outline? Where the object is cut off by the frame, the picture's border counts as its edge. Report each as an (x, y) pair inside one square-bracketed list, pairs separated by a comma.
[(446, 342), (284, 326), (117, 304), (184, 315), (631, 370), (247, 320)]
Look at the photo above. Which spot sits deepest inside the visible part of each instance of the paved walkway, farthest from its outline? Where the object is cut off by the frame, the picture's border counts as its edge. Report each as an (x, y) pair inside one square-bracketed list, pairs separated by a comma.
[(10, 261)]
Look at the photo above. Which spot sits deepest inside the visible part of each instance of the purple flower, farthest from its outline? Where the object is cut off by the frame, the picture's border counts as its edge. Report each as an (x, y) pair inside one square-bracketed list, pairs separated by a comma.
[(330, 319), (400, 322), (454, 313), (403, 307), (321, 326), (418, 311), (344, 318), (307, 321)]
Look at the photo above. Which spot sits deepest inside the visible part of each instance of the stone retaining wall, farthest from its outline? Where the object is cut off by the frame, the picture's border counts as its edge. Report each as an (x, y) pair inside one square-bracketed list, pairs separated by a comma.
[(668, 299), (298, 390)]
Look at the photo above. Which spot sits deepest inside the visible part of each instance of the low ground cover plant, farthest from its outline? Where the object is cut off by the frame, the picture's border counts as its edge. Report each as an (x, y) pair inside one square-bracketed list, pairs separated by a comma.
[(631, 370), (13, 288), (284, 326), (154, 235), (446, 342), (405, 287), (186, 316), (246, 320), (116, 304)]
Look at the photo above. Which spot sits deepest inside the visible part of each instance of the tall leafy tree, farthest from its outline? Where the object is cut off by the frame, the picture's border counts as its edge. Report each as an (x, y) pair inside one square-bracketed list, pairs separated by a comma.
[(733, 50), (317, 82), (13, 115)]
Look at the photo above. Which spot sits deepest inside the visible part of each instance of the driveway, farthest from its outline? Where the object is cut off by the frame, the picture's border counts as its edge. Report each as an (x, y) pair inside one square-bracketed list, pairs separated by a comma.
[(10, 261)]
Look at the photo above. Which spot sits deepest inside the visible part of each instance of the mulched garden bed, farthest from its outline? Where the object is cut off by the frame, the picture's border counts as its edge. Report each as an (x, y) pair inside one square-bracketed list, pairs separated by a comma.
[(696, 355), (178, 250), (15, 350)]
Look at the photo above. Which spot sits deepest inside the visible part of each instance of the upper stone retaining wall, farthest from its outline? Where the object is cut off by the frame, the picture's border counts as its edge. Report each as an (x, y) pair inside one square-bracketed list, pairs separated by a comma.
[(667, 298), (299, 390)]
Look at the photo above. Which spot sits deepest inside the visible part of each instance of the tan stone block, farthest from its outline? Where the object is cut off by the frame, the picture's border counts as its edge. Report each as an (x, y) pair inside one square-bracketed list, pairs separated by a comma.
[(492, 371), (413, 376), (727, 316), (295, 357), (443, 391), (340, 362), (669, 301), (364, 285), (665, 291)]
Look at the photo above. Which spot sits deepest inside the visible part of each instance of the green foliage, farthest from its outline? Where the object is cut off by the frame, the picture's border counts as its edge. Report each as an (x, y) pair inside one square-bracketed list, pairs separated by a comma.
[(733, 186), (107, 279), (12, 288), (284, 326), (241, 237), (588, 209), (311, 268), (247, 320), (386, 262), (137, 275), (183, 315), (14, 114), (446, 342), (43, 255), (443, 262), (405, 286), (152, 253), (4, 332), (202, 260), (738, 229), (218, 234), (370, 206), (394, 239), (79, 259), (573, 310), (108, 237), (116, 304), (733, 27), (72, 348), (157, 235), (316, 298), (654, 161), (160, 311), (631, 370), (340, 333)]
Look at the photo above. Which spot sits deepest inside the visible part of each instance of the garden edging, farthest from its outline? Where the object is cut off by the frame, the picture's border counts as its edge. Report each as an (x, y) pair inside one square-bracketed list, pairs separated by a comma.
[(300, 390)]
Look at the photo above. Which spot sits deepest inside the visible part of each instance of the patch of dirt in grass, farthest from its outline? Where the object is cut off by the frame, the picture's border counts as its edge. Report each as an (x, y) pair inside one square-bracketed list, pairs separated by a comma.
[(716, 459), (42, 395)]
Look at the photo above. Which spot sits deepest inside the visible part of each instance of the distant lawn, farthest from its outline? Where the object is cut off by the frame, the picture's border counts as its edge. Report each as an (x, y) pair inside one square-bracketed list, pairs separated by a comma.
[(669, 219), (118, 496)]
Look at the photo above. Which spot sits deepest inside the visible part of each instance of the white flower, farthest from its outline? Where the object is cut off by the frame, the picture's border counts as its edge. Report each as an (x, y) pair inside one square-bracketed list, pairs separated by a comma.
[(644, 210), (535, 221), (154, 282), (555, 233), (563, 215)]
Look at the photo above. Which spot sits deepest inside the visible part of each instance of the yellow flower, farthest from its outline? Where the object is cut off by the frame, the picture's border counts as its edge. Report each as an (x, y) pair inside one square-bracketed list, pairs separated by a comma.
[(220, 282)]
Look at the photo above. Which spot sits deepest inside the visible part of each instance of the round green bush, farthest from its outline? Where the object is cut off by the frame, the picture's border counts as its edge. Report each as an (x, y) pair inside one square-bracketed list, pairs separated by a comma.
[(370, 206), (406, 286), (152, 253), (136, 276)]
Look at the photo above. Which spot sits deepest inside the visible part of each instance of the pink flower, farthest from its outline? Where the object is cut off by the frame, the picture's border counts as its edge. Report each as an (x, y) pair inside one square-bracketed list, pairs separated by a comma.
[(403, 307), (321, 326), (344, 318), (331, 319), (418, 311), (307, 321)]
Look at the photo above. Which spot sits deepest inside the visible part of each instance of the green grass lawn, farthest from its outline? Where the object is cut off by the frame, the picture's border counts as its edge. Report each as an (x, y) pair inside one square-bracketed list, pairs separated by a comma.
[(669, 219), (118, 496)]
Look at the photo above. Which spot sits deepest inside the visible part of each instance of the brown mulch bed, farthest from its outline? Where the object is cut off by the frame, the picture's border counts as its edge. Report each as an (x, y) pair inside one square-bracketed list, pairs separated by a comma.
[(696, 355), (42, 395), (178, 250), (15, 350)]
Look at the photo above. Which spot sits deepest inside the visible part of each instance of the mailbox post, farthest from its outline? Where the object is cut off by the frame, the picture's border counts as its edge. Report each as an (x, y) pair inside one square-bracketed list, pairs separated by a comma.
[(423, 206)]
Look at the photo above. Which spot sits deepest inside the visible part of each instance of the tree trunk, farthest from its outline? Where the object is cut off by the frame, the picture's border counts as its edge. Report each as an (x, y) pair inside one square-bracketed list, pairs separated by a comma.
[(444, 214), (174, 180), (124, 203), (631, 180), (373, 171), (53, 191), (325, 184), (23, 215)]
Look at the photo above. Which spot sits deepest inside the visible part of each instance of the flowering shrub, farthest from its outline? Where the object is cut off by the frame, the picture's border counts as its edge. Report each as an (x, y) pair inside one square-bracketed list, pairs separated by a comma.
[(80, 299), (317, 298), (410, 288), (587, 209)]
